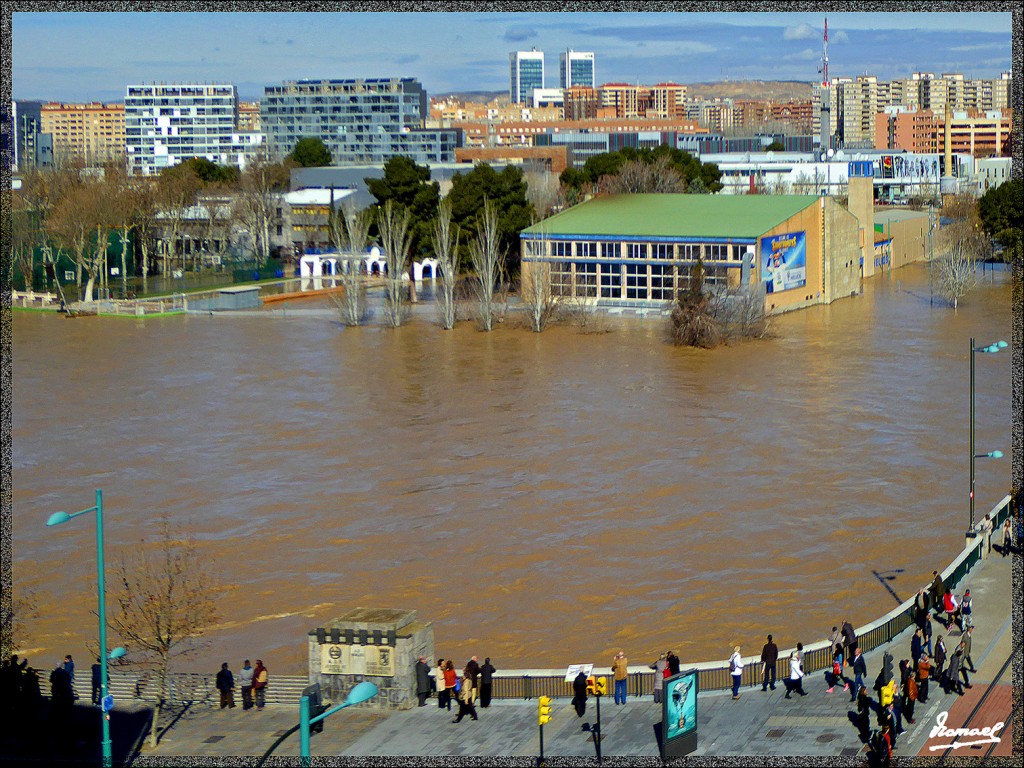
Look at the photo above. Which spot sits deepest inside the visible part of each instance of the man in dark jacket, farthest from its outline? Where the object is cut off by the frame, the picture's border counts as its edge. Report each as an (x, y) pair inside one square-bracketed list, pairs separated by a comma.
[(769, 658), (97, 681), (673, 663), (849, 640), (422, 680), (937, 590), (916, 647), (226, 686), (579, 693), (860, 671)]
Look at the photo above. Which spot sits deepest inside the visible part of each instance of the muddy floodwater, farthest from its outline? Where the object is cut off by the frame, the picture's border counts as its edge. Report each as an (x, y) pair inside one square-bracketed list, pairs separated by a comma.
[(543, 499)]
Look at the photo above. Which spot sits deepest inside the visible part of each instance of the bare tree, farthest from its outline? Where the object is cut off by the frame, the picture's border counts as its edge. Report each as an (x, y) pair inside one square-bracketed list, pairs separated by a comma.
[(445, 240), (488, 262), (349, 230), (543, 191), (262, 184), (395, 237), (75, 221), (960, 245), (141, 192), (740, 312), (177, 190), (14, 612), (692, 322), (166, 599), (638, 176), (535, 287)]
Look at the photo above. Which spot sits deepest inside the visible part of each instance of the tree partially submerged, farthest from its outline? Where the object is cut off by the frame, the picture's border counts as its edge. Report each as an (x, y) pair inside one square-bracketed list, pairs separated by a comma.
[(395, 238), (693, 324), (165, 599), (488, 259), (445, 240), (349, 230), (961, 244)]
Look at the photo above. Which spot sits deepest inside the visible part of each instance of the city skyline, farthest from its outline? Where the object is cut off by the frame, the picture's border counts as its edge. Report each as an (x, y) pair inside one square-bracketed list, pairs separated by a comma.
[(55, 55)]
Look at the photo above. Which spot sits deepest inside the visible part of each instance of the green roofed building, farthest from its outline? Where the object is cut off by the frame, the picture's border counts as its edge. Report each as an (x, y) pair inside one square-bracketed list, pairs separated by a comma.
[(636, 250)]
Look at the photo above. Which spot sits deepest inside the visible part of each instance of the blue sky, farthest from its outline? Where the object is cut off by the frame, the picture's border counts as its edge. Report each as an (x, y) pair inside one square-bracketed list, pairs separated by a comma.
[(87, 56)]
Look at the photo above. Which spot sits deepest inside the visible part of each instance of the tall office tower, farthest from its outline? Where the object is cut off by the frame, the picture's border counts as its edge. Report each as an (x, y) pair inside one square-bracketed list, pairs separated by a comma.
[(166, 124), (361, 121), (526, 72), (576, 68)]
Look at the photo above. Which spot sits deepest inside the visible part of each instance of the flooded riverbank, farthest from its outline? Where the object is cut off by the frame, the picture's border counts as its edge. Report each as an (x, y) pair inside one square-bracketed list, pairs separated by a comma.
[(544, 499)]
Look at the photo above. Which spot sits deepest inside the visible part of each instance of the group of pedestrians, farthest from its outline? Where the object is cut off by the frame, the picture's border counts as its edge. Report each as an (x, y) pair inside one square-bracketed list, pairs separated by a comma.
[(252, 681), (476, 683)]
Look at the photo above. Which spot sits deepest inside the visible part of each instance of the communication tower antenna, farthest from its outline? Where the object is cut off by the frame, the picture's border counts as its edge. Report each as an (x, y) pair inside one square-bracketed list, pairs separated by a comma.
[(824, 59)]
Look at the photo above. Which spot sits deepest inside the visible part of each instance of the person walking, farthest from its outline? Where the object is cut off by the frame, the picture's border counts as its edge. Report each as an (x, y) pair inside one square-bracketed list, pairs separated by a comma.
[(796, 675), (836, 674), (736, 670), (924, 671), (226, 686), (966, 610), (940, 657), (860, 671), (966, 642), (466, 695), (952, 609), (908, 690), (487, 671), (620, 671), (769, 660), (962, 655), (97, 681), (659, 667), (952, 677), (864, 714), (245, 684), (579, 693), (260, 678), (451, 679)]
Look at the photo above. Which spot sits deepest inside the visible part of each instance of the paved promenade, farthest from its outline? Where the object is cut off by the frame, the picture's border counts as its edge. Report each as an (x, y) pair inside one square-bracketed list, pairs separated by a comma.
[(759, 723)]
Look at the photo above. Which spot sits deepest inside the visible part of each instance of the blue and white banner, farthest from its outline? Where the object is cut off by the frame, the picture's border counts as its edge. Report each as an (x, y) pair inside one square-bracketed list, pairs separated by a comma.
[(784, 262)]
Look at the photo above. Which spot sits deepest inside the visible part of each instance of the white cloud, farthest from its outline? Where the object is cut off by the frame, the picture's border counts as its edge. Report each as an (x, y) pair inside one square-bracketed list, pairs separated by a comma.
[(800, 32), (839, 37)]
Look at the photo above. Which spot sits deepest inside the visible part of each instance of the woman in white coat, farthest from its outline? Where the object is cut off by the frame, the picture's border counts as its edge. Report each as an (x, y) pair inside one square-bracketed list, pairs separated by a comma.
[(796, 676), (736, 670)]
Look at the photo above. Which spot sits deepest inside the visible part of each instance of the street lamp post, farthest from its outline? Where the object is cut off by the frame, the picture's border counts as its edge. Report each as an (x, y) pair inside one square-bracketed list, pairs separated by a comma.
[(62, 517), (991, 348), (360, 693)]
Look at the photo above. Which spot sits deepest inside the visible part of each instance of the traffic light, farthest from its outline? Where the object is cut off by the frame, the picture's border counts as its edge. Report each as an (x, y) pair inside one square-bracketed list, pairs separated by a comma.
[(543, 710), (591, 686), (601, 686)]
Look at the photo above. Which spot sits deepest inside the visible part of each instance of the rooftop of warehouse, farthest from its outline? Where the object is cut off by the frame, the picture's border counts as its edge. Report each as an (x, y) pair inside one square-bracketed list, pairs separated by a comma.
[(674, 215)]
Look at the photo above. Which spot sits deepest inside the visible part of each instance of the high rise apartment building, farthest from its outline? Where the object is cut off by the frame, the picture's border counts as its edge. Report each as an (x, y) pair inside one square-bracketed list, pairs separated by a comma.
[(249, 116), (93, 132), (667, 101), (361, 121), (576, 68), (526, 72), (167, 124)]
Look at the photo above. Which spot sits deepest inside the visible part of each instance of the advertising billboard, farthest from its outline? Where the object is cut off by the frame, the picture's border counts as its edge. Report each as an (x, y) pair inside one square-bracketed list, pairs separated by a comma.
[(784, 262), (679, 714)]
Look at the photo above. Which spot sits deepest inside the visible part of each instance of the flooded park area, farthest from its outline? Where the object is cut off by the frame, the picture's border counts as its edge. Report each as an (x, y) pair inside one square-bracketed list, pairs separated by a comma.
[(544, 499)]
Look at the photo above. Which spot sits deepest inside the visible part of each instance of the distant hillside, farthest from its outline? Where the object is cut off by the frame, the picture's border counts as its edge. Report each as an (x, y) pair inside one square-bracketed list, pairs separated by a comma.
[(480, 97), (777, 90)]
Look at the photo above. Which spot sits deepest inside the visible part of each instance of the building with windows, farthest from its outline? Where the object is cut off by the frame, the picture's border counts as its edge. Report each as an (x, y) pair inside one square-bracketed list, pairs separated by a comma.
[(166, 124), (32, 147), (981, 134), (636, 251), (576, 68), (93, 133), (526, 72), (361, 121)]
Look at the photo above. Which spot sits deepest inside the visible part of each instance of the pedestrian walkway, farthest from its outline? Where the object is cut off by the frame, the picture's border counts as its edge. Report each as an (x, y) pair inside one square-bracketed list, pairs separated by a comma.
[(762, 723)]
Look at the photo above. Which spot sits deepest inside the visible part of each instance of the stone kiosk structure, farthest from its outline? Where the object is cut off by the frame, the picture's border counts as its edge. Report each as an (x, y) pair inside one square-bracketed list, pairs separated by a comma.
[(380, 645)]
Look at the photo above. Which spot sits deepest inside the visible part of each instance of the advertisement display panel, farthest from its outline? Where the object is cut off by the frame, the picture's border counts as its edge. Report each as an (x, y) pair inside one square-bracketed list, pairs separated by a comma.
[(784, 262), (679, 714)]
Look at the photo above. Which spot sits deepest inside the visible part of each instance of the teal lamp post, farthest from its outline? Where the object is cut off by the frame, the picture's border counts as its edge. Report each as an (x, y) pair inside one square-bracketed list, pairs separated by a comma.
[(360, 693), (62, 517), (990, 349)]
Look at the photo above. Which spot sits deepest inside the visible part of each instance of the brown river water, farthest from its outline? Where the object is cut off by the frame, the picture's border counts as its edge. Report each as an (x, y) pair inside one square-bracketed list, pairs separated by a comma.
[(543, 499)]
